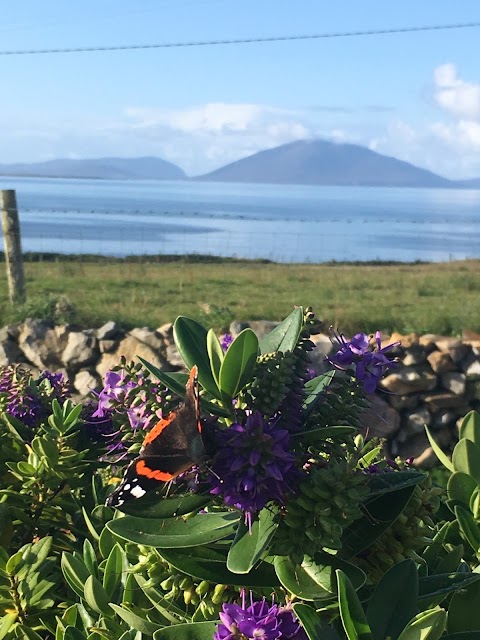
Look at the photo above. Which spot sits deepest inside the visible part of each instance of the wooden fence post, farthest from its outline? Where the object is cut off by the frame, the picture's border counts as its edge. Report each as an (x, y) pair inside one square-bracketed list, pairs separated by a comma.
[(13, 245)]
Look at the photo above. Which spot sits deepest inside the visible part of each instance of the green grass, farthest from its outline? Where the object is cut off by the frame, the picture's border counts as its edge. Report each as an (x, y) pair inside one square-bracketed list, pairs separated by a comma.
[(441, 298)]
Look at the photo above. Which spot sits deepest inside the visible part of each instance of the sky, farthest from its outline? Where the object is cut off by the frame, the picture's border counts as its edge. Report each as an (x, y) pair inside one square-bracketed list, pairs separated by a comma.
[(414, 96)]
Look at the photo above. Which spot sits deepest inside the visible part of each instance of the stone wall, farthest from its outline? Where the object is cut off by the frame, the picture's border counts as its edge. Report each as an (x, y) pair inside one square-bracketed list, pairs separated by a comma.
[(436, 382)]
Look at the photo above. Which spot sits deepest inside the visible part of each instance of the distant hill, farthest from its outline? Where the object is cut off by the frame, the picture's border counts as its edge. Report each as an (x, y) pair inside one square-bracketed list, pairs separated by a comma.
[(101, 168), (318, 162), (473, 183)]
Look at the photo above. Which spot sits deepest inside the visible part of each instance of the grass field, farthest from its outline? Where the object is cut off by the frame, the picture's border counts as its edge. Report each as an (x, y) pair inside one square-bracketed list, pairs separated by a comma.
[(441, 298)]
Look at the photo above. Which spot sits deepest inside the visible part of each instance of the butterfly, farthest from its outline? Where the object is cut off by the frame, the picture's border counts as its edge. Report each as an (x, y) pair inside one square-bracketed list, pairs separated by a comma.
[(172, 446)]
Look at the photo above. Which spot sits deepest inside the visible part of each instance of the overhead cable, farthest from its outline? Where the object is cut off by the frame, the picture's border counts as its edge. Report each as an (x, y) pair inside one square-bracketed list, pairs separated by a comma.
[(209, 43)]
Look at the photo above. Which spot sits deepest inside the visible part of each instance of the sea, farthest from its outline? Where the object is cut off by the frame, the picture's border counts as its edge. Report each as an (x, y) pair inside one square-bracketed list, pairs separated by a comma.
[(282, 223)]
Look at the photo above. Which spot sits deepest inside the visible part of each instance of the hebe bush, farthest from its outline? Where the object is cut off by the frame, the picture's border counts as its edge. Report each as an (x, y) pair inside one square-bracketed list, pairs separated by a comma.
[(291, 525)]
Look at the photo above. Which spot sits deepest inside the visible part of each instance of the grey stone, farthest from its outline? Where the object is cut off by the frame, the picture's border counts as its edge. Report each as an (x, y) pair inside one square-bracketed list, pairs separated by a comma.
[(81, 350), (418, 448), (454, 382), (42, 344), (409, 380), (455, 348), (109, 331), (473, 370), (10, 353), (403, 402), (323, 348), (441, 361), (165, 331), (379, 420), (149, 337), (173, 357), (443, 419), (107, 346), (84, 382), (414, 355), (416, 420), (131, 348), (438, 401)]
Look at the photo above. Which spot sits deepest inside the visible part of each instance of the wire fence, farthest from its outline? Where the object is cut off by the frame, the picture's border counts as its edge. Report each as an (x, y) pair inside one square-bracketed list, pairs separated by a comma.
[(150, 234)]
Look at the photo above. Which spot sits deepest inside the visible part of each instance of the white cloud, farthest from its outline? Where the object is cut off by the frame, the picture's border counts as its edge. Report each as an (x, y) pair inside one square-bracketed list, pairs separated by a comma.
[(204, 137), (456, 96)]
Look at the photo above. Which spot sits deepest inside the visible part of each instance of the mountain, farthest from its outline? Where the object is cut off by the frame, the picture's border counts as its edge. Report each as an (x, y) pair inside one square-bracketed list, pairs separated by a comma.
[(472, 183), (326, 163), (102, 168)]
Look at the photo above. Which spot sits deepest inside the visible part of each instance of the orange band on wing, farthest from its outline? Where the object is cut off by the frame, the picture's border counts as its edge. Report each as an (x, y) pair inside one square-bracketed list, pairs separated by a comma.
[(142, 470), (159, 427)]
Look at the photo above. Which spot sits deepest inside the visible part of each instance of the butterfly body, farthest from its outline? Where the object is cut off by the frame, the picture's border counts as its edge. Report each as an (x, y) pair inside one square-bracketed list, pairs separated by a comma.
[(171, 447)]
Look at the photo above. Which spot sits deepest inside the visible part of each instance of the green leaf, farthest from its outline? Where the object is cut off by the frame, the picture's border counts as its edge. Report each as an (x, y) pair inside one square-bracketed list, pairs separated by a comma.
[(90, 527), (380, 483), (394, 601), (135, 621), (75, 572), (427, 625), (215, 353), (460, 487), (470, 427), (176, 381), (96, 597), (239, 363), (153, 505), (37, 553), (315, 579), (72, 633), (250, 544), (466, 458), (468, 527), (322, 433), (312, 623), (6, 623), (205, 563), (351, 612), (466, 635), (202, 529), (191, 340), (444, 459), (451, 561), (112, 577), (168, 610), (285, 335), (379, 514), (314, 389), (89, 558), (190, 631), (107, 542), (463, 610), (443, 584)]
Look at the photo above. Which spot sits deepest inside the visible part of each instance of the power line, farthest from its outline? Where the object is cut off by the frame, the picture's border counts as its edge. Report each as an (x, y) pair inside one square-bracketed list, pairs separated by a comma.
[(208, 43)]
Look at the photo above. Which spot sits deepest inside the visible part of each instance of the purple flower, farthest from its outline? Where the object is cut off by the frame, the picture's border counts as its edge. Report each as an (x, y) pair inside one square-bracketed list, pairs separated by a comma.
[(55, 386), (370, 363), (258, 621), (19, 396), (123, 394), (253, 465), (226, 340)]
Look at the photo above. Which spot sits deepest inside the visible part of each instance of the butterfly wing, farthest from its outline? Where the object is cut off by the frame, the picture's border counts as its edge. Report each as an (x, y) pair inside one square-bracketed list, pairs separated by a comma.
[(172, 446)]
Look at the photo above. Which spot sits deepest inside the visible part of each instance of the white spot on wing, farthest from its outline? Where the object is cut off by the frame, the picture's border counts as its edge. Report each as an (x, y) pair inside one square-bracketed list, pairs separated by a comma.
[(138, 492)]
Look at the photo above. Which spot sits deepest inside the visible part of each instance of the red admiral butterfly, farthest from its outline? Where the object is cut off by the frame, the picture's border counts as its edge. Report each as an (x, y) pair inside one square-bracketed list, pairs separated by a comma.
[(172, 446)]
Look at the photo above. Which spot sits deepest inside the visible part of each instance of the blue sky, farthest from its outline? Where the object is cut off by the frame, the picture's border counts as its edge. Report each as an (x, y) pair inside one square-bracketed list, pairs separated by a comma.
[(415, 96)]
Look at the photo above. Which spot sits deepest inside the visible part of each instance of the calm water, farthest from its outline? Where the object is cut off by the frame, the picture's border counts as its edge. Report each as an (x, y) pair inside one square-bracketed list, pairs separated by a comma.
[(282, 223)]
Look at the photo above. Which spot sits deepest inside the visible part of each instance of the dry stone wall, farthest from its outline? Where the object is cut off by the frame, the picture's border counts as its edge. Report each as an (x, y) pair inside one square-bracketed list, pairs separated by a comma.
[(436, 382)]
